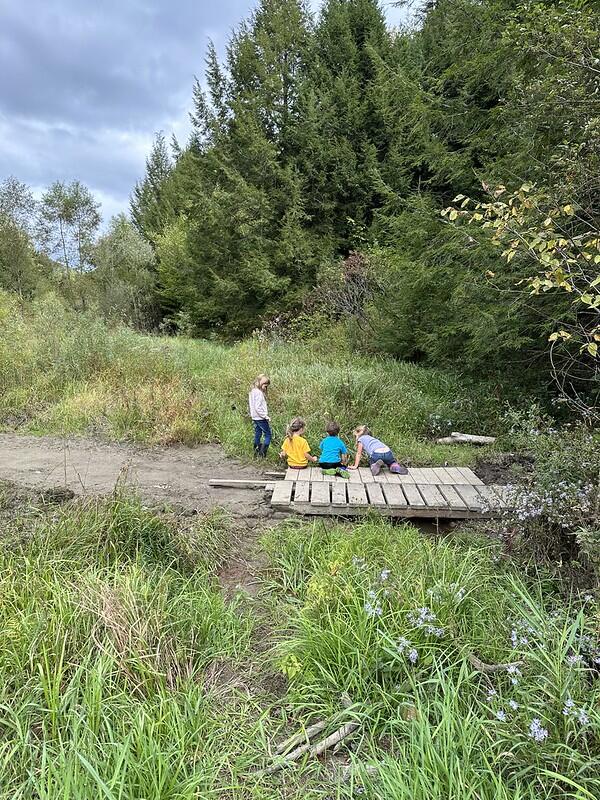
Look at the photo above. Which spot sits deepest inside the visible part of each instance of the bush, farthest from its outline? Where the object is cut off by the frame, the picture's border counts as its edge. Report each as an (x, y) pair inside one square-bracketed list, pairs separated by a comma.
[(557, 505)]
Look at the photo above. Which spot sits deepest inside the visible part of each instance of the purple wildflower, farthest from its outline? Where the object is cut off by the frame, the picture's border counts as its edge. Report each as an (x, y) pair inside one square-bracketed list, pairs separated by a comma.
[(537, 732)]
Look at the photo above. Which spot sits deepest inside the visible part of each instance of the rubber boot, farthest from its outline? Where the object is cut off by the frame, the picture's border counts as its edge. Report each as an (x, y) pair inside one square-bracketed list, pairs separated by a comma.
[(376, 467), (398, 469), (262, 450), (342, 473)]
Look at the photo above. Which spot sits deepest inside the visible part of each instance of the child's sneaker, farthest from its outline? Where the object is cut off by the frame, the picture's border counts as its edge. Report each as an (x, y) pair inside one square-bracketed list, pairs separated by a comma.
[(343, 473), (398, 469), (329, 472), (376, 467)]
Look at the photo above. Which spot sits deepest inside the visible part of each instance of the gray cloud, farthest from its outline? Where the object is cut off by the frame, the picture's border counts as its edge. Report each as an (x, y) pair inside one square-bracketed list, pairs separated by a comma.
[(84, 85)]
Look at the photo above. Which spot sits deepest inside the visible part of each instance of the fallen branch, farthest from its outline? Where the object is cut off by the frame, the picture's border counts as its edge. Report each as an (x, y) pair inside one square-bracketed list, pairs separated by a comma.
[(332, 740), (304, 736), (314, 750), (481, 666)]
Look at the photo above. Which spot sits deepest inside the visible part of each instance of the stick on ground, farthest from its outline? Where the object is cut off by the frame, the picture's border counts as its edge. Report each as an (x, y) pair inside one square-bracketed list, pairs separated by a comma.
[(481, 666)]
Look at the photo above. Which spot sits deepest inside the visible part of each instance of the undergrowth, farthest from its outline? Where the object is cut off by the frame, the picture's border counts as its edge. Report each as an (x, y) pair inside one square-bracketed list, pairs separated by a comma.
[(112, 622), (69, 373), (392, 620)]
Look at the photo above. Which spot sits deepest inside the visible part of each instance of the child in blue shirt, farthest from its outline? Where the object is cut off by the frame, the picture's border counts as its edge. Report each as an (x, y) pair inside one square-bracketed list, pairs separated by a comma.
[(332, 459)]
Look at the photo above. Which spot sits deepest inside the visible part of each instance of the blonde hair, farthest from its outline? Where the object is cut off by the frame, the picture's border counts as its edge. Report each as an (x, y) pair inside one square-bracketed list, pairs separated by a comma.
[(296, 425), (362, 430), (261, 379)]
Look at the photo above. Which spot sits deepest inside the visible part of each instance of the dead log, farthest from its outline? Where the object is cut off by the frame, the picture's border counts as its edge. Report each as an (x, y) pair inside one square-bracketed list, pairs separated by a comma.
[(466, 438)]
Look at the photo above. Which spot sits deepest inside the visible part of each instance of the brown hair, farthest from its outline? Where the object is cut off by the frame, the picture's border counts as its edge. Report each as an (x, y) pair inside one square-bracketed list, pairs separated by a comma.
[(332, 428), (362, 430), (295, 426)]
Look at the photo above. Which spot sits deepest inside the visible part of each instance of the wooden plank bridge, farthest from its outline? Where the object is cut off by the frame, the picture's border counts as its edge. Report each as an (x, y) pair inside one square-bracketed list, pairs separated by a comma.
[(440, 492)]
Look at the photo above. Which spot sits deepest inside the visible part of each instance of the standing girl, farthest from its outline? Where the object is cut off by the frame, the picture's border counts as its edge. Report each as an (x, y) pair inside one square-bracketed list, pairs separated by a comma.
[(295, 447), (379, 453), (257, 402)]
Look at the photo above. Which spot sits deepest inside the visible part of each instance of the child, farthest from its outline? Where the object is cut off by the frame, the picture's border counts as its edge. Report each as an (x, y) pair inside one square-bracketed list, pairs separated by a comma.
[(334, 452), (295, 447), (257, 402), (378, 452)]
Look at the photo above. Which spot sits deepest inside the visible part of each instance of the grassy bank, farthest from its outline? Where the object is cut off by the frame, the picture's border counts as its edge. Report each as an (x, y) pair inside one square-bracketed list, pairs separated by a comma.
[(70, 374), (124, 673)]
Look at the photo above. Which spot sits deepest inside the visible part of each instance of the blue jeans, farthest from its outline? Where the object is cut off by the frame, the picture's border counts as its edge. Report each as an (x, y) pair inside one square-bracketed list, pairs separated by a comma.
[(261, 428), (388, 458)]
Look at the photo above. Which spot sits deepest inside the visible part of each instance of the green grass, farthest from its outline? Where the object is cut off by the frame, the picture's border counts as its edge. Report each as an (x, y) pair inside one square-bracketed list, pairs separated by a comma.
[(351, 629), (69, 374), (112, 623)]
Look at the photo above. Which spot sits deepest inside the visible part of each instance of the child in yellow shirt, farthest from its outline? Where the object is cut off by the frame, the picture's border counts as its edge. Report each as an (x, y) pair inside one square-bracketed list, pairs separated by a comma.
[(295, 448)]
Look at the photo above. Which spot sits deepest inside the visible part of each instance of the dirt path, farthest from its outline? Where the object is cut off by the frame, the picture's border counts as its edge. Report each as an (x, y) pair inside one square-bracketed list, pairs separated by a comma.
[(176, 475)]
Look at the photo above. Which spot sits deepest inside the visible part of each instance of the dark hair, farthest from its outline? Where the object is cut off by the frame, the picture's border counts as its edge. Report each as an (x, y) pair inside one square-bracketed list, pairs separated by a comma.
[(332, 428)]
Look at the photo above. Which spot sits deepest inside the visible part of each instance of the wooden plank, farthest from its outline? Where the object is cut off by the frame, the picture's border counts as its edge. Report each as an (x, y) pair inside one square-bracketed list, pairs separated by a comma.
[(226, 483), (282, 493), (365, 474), (413, 496), (356, 494), (302, 492), (316, 474), (455, 474), (319, 493), (470, 476), (419, 475), (491, 499), (470, 495), (429, 476), (375, 494), (443, 477), (394, 495), (455, 501), (405, 478), (297, 474), (338, 494), (432, 496), (327, 478), (382, 477)]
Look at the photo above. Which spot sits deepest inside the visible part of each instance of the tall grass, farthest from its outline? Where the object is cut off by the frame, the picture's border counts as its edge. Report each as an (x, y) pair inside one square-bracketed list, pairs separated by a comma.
[(113, 628), (66, 373), (392, 619)]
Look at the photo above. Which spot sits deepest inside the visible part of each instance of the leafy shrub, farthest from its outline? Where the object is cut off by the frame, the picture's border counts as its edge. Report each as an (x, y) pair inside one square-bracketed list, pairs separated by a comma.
[(557, 505)]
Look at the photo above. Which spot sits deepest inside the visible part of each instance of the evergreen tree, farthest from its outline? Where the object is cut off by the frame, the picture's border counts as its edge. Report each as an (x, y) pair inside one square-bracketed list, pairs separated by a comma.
[(150, 202)]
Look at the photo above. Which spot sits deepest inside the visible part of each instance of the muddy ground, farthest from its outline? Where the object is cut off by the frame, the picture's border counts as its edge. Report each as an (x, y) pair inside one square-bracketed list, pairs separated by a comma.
[(177, 475)]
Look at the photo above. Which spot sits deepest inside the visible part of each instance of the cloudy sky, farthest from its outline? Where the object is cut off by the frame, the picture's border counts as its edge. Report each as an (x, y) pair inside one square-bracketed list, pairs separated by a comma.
[(84, 84)]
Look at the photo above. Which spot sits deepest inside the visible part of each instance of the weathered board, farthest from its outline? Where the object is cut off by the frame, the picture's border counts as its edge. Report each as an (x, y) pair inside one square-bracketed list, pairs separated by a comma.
[(438, 492)]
